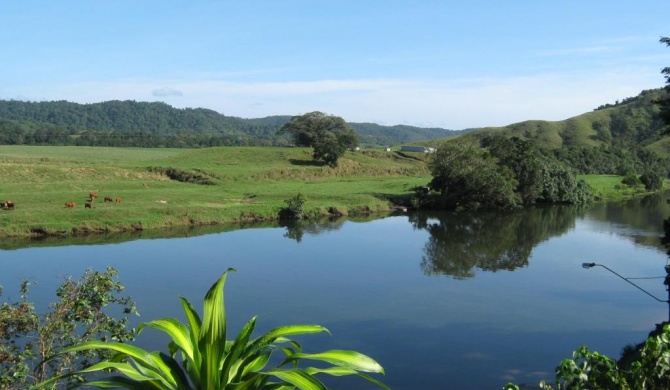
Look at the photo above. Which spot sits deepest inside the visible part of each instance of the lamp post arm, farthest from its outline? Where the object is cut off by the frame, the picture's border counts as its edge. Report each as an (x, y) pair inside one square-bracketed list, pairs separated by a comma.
[(634, 285)]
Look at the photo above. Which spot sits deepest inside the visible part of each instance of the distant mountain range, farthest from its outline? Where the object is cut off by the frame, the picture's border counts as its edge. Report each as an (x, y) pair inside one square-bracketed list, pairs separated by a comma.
[(162, 119), (630, 122)]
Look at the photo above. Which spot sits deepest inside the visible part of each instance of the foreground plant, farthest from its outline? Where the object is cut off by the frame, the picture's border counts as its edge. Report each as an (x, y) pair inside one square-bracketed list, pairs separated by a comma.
[(202, 358), (650, 370)]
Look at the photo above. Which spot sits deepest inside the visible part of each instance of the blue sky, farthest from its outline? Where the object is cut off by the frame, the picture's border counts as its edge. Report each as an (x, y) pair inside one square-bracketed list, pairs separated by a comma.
[(451, 64)]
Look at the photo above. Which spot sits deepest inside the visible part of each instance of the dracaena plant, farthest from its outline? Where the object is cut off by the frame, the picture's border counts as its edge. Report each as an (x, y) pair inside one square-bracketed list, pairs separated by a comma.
[(202, 358)]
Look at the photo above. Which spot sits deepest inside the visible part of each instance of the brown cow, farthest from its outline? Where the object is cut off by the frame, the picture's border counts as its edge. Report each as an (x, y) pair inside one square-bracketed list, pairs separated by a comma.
[(8, 205), (108, 199), (88, 205), (93, 195), (70, 205), (118, 200)]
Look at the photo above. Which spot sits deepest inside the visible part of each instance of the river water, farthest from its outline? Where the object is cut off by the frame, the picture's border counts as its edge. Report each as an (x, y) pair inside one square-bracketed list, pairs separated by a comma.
[(441, 300)]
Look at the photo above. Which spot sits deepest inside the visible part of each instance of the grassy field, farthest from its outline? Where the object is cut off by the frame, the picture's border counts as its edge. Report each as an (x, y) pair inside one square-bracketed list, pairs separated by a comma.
[(607, 187), (249, 184)]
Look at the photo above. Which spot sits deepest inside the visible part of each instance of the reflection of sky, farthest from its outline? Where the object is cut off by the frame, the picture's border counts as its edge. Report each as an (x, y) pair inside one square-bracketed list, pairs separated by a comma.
[(364, 282)]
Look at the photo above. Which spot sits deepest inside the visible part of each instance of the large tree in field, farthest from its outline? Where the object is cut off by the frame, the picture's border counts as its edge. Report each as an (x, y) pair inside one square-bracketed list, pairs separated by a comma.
[(329, 135)]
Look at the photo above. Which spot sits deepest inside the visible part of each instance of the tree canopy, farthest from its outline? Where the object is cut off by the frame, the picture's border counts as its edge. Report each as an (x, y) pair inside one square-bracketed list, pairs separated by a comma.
[(329, 135), (501, 173)]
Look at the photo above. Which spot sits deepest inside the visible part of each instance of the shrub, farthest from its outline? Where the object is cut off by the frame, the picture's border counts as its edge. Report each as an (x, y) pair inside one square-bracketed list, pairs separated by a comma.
[(184, 176), (32, 342), (631, 180), (294, 209), (651, 181)]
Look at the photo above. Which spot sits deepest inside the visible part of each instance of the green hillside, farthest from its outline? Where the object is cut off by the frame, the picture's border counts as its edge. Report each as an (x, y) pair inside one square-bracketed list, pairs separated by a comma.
[(633, 122)]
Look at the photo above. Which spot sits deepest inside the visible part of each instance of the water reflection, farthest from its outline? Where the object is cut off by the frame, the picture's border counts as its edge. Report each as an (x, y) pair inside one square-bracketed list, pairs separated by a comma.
[(295, 230), (639, 218), (477, 333), (460, 243)]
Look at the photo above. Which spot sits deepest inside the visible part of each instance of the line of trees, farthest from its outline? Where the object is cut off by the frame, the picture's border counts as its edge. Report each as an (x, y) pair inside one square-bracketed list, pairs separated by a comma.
[(14, 133)]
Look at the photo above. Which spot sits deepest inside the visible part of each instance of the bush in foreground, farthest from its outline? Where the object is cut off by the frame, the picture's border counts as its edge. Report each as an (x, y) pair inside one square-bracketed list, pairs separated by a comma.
[(202, 358), (594, 371), (30, 343)]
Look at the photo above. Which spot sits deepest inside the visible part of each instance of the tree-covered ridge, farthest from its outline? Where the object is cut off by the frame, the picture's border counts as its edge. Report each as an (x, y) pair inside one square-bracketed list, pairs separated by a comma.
[(154, 124)]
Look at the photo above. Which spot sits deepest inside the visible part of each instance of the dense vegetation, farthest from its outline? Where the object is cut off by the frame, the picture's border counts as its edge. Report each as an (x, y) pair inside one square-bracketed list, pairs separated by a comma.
[(143, 124), (500, 173)]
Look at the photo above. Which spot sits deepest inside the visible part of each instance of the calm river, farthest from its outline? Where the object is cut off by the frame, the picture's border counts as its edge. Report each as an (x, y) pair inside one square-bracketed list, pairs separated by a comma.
[(442, 301)]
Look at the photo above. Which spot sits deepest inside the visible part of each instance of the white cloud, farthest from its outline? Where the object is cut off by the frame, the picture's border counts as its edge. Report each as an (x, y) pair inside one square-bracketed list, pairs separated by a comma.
[(452, 104), (166, 91)]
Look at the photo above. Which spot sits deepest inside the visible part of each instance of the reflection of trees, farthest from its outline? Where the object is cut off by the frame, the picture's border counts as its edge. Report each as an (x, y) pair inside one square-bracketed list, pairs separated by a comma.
[(459, 243), (296, 229)]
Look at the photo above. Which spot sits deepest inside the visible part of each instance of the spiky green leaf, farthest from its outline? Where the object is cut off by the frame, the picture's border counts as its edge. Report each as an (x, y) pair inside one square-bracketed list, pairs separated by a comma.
[(298, 378), (176, 330), (212, 338), (344, 371), (124, 368), (350, 359), (119, 382), (234, 352)]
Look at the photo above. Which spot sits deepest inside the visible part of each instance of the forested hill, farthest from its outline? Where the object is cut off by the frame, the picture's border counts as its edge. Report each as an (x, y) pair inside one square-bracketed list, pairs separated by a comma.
[(131, 123), (629, 123)]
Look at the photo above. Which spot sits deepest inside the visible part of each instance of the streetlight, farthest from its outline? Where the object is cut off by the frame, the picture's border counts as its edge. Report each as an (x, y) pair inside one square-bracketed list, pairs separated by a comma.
[(666, 282)]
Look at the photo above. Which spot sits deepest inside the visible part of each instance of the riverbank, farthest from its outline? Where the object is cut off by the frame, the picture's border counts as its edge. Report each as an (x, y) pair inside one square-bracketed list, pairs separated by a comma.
[(163, 188), (145, 189)]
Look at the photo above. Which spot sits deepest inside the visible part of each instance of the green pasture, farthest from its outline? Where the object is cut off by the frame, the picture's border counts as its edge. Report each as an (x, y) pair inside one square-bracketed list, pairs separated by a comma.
[(607, 187), (250, 184)]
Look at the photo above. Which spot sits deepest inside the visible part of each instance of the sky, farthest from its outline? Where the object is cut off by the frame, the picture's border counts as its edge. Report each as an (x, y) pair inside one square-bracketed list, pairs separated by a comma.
[(427, 63)]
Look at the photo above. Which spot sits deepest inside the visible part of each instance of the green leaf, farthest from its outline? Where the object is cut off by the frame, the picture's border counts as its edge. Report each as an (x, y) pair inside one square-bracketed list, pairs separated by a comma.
[(136, 353), (254, 363), (288, 330), (343, 371), (119, 382), (351, 359), (298, 378), (253, 382), (194, 323), (176, 330), (232, 359), (212, 338), (193, 318), (125, 368), (171, 369)]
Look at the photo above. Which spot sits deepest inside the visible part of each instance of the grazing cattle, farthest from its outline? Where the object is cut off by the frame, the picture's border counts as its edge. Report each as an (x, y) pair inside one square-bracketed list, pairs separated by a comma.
[(70, 205), (88, 205), (118, 200), (8, 205), (93, 195), (108, 199)]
